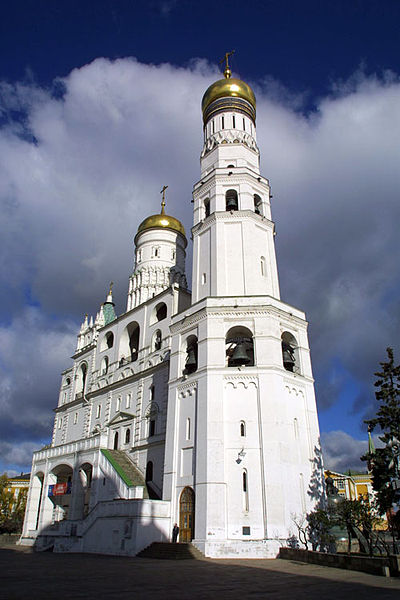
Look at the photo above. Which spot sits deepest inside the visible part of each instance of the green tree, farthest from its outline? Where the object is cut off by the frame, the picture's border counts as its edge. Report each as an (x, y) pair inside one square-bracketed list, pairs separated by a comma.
[(12, 508), (388, 420)]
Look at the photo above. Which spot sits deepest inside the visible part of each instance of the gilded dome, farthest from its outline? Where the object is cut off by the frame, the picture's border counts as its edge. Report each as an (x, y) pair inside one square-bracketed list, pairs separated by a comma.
[(228, 88), (162, 221)]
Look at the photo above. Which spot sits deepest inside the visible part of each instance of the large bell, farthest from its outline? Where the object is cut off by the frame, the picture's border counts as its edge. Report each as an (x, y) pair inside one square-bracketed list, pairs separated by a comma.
[(240, 356), (191, 361), (288, 357), (231, 203)]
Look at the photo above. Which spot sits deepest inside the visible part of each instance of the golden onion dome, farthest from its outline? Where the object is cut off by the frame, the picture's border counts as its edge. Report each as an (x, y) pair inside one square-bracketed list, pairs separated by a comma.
[(161, 221), (228, 88)]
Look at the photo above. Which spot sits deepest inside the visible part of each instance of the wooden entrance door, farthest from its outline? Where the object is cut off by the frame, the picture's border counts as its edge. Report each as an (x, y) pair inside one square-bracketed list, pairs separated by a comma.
[(186, 515)]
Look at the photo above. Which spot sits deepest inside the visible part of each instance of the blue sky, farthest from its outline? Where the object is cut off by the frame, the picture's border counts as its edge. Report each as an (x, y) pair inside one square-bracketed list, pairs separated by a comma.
[(100, 106)]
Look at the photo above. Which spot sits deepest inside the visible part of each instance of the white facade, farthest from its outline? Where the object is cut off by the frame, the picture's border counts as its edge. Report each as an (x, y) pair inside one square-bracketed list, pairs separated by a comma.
[(198, 410)]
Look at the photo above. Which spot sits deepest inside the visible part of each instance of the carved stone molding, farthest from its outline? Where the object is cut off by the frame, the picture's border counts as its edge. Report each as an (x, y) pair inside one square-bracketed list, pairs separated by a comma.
[(236, 380), (229, 136)]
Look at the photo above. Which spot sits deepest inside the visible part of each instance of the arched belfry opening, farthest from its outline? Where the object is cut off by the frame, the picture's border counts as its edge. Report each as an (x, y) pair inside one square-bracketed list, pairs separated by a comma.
[(239, 347), (290, 352), (186, 515), (191, 355), (231, 200)]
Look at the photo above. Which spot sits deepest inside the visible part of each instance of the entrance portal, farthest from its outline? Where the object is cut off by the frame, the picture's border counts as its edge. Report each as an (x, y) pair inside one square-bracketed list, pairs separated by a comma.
[(186, 515)]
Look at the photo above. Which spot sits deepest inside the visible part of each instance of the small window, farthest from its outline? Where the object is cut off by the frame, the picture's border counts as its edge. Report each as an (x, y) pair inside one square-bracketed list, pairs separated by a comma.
[(152, 427), (173, 254), (75, 418), (244, 477), (128, 401), (207, 207), (161, 311), (152, 390), (127, 436), (98, 411), (118, 405), (262, 266), (204, 279), (157, 340), (104, 366), (139, 256), (246, 530), (213, 126), (156, 252), (244, 124), (242, 429), (223, 123), (234, 121), (188, 429), (68, 381), (59, 423), (110, 339)]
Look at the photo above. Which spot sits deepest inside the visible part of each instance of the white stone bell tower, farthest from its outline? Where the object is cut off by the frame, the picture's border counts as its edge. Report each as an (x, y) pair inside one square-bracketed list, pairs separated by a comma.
[(242, 446)]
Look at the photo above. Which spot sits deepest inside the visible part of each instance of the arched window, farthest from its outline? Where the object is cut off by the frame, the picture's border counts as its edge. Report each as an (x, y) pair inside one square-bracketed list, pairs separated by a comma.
[(207, 207), (257, 204), (188, 428), (245, 489), (262, 266), (191, 355), (149, 471), (157, 340), (116, 440), (104, 366), (239, 347), (161, 311), (129, 344), (242, 429), (107, 342), (127, 436), (231, 200), (81, 379), (68, 381), (290, 353)]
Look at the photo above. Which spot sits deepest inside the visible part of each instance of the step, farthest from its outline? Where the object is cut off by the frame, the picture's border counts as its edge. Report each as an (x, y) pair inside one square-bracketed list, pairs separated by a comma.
[(170, 551)]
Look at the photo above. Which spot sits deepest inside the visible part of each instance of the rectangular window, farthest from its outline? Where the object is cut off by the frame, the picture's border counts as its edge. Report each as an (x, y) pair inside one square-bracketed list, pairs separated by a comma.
[(98, 411), (204, 278), (246, 530), (244, 124), (152, 428), (223, 123), (75, 418), (188, 429), (118, 405), (59, 423), (128, 401), (234, 121)]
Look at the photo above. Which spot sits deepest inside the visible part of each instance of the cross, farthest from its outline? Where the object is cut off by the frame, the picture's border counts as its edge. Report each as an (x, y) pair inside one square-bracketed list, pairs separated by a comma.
[(163, 197), (227, 55)]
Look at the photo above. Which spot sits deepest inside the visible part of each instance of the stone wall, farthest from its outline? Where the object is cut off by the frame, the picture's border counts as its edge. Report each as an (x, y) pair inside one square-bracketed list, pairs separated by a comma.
[(375, 565)]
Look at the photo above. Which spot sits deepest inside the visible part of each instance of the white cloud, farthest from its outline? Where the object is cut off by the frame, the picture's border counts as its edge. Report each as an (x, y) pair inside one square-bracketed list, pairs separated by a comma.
[(80, 170)]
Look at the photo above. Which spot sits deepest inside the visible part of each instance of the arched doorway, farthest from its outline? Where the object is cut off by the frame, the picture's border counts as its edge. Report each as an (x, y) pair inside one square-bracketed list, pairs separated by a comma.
[(116, 440), (186, 515)]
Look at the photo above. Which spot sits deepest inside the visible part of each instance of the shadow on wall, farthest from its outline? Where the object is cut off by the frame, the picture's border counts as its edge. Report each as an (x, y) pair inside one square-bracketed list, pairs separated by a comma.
[(100, 521)]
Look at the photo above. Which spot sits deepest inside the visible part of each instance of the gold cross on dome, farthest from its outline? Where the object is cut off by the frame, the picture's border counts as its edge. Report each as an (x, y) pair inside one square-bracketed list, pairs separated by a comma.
[(227, 71), (111, 285), (165, 187)]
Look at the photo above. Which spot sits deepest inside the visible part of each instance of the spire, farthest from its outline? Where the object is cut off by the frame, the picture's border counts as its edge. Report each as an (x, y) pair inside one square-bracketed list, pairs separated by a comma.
[(110, 296), (227, 71)]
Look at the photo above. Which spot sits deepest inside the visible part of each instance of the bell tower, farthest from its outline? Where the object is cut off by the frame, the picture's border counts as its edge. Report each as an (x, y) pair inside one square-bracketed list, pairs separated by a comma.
[(242, 430), (233, 234)]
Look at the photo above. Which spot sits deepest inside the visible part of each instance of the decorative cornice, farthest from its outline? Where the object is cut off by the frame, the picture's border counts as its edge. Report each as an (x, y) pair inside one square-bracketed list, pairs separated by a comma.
[(245, 380), (229, 136), (187, 389)]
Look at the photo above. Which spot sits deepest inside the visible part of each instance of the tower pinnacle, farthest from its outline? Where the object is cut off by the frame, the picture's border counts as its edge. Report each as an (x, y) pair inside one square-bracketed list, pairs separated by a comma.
[(165, 187), (227, 71)]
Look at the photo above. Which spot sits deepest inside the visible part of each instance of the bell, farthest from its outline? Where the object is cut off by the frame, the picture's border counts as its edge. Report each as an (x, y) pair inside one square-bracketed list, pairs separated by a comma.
[(191, 362), (231, 203), (288, 358), (239, 356)]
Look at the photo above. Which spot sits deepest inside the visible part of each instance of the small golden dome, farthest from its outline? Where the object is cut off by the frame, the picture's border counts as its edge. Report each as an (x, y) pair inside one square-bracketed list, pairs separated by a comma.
[(228, 87), (162, 221)]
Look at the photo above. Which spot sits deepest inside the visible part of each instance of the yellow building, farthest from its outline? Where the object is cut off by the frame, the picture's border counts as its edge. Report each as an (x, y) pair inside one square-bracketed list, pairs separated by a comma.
[(353, 485), (18, 484)]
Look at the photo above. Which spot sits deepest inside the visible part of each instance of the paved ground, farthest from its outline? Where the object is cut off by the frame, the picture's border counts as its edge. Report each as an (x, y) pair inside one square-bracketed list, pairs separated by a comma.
[(36, 576)]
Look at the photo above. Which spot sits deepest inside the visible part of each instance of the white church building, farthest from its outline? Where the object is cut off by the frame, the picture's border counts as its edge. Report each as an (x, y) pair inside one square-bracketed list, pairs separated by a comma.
[(196, 408)]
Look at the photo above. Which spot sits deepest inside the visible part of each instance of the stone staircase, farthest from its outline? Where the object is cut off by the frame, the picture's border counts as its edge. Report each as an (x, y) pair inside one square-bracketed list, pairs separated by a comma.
[(126, 469), (169, 551)]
